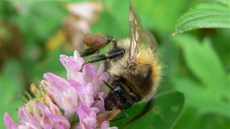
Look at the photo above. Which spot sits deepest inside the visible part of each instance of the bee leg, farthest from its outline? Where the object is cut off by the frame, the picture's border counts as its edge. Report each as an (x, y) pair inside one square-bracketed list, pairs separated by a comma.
[(109, 55), (125, 115), (113, 40), (97, 53), (147, 108), (87, 52)]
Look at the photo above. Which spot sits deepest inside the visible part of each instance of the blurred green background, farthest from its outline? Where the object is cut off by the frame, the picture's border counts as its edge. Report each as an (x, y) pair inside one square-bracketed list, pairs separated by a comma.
[(197, 63)]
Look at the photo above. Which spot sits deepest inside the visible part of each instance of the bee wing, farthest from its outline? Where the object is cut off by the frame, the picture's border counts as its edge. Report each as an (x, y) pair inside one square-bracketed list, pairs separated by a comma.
[(135, 28), (148, 40), (138, 36)]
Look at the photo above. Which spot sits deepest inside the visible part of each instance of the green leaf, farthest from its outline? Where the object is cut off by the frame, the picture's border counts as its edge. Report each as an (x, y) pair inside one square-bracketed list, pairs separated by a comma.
[(211, 92), (167, 107), (202, 61), (204, 16), (205, 100)]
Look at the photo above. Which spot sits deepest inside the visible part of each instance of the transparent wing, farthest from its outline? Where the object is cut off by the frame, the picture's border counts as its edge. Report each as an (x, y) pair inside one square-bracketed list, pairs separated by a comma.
[(138, 36), (135, 28), (148, 40)]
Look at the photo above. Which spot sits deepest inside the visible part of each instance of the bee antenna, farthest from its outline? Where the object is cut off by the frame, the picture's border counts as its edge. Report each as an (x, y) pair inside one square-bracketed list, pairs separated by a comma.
[(108, 85)]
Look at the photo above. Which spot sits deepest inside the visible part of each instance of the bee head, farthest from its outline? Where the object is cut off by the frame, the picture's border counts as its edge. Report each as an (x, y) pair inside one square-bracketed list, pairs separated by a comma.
[(118, 98)]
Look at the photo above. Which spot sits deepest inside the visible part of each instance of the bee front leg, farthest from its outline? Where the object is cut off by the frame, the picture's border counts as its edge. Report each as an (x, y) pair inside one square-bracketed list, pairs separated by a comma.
[(110, 55), (124, 115), (145, 110)]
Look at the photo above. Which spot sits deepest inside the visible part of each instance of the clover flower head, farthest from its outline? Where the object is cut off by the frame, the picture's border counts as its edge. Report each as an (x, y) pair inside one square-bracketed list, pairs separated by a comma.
[(63, 103)]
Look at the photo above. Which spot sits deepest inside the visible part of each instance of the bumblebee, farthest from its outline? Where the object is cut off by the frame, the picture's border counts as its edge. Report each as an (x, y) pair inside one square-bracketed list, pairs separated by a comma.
[(132, 64)]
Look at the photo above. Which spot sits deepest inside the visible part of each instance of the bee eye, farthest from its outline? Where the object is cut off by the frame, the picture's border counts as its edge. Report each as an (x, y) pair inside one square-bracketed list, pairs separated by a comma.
[(129, 101), (126, 99)]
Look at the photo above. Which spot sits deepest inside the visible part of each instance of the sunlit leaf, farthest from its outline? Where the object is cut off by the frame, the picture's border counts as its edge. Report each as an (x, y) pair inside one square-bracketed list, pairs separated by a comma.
[(55, 41), (204, 16), (163, 115)]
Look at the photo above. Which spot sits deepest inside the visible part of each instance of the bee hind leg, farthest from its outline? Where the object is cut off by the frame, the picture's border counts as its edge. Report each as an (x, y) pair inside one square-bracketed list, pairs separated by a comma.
[(110, 55), (113, 40), (87, 52), (91, 51)]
